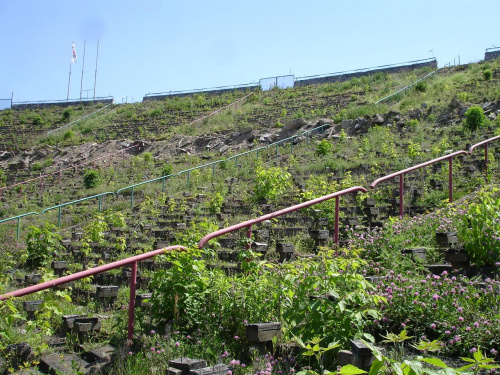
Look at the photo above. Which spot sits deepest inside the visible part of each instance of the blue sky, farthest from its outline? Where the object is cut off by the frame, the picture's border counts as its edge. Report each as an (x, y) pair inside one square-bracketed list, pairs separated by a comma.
[(157, 46)]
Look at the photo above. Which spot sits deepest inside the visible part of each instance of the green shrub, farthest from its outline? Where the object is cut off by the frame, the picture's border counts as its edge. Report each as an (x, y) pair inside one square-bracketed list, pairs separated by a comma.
[(271, 182), (147, 157), (37, 120), (421, 86), (36, 167), (167, 169), (69, 134), (324, 148), (156, 112), (480, 229), (298, 114), (67, 114), (487, 74), (42, 245), (91, 179), (474, 118)]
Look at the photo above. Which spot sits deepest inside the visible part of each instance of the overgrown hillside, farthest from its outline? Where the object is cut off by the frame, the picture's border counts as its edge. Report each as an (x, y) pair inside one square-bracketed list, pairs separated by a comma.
[(423, 276)]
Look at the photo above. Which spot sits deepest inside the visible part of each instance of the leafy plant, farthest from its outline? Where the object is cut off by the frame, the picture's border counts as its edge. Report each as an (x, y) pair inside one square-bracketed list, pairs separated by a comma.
[(91, 179), (324, 147), (421, 86), (215, 203), (271, 182), (487, 74), (42, 243), (67, 113), (167, 169), (474, 118), (480, 228)]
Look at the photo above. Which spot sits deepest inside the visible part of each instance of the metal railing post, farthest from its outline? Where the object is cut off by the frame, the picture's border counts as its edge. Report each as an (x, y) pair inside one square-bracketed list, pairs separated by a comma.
[(249, 236), (450, 180), (213, 170), (132, 198), (59, 218), (337, 214), (486, 162), (18, 227), (100, 203), (131, 304), (401, 196), (163, 185)]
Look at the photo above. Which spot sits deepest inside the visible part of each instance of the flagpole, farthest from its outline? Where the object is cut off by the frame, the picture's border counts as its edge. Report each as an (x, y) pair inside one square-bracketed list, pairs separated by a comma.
[(83, 65), (69, 80), (97, 57)]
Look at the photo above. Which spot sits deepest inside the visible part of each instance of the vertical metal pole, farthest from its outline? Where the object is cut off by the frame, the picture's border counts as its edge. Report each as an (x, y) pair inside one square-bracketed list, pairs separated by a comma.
[(132, 198), (249, 236), (97, 57), (236, 162), (69, 80), (59, 217), (131, 304), (450, 179), (401, 196), (258, 153), (100, 202), (163, 185), (337, 214), (83, 65), (486, 162), (18, 227)]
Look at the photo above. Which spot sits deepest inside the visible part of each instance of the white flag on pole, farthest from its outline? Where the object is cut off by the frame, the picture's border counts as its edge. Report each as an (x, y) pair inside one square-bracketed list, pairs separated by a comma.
[(73, 55)]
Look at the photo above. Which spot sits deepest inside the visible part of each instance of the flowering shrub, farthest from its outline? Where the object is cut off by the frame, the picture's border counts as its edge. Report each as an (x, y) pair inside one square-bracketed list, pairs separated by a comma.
[(453, 309)]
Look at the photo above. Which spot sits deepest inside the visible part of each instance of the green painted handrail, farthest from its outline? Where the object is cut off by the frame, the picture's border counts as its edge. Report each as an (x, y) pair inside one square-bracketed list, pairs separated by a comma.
[(59, 206), (188, 171), (18, 217), (235, 157), (163, 178)]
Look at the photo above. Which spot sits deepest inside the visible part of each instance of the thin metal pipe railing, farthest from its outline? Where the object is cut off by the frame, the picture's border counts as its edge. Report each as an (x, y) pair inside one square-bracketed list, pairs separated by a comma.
[(401, 174), (94, 271), (248, 224)]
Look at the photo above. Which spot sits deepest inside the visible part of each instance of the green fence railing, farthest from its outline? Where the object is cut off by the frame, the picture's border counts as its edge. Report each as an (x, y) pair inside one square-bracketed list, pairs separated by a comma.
[(132, 187), (60, 206), (18, 217)]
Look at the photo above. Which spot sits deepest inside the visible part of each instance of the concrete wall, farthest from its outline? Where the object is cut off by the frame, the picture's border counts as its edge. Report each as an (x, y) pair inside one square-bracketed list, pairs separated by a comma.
[(75, 103), (490, 55), (303, 81), (347, 76), (191, 93)]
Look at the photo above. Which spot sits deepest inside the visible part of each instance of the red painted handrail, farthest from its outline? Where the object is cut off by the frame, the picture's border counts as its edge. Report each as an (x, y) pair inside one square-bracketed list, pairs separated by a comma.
[(94, 271), (59, 172), (248, 224), (418, 166), (485, 143)]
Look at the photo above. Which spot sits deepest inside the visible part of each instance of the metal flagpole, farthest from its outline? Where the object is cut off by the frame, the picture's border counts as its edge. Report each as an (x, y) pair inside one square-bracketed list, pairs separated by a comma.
[(69, 80), (97, 57), (83, 65)]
